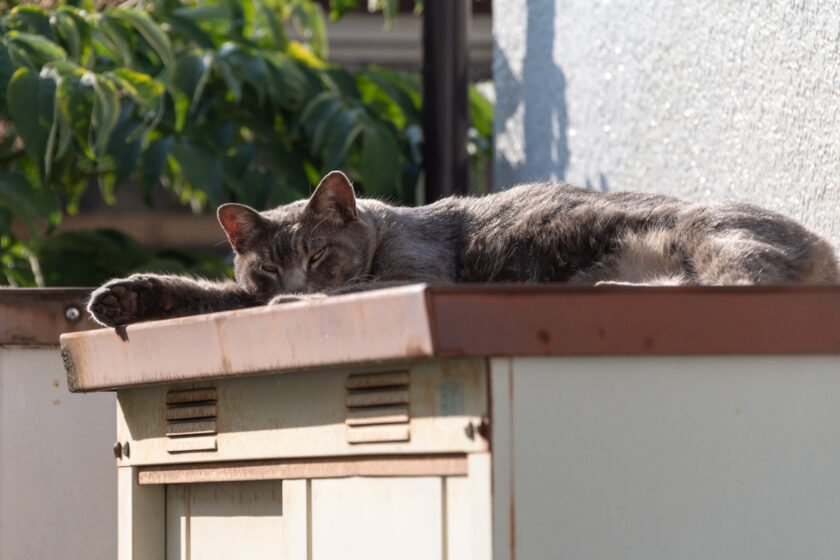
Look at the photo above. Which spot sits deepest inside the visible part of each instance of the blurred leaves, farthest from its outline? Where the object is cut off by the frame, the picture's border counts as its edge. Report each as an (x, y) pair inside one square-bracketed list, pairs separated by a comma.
[(212, 100)]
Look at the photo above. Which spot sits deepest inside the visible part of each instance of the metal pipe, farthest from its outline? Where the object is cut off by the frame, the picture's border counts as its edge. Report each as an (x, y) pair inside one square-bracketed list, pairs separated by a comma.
[(445, 83)]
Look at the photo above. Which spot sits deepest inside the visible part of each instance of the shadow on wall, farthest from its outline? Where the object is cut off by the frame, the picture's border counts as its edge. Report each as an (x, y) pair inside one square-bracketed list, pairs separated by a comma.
[(543, 153)]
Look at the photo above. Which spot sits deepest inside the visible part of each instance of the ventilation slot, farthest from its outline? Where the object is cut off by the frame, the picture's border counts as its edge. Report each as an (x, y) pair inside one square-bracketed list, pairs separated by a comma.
[(191, 420), (377, 407)]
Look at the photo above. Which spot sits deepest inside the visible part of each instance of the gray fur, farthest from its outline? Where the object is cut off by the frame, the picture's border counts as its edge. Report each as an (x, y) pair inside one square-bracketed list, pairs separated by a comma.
[(545, 232)]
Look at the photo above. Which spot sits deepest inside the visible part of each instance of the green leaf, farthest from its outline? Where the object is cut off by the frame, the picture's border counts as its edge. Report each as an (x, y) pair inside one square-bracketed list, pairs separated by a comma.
[(124, 147), (116, 39), (342, 81), (287, 85), (201, 167), (251, 69), (204, 12), (76, 97), (320, 107), (226, 72), (38, 50), (31, 105), (106, 112), (154, 162), (31, 19), (188, 29), (481, 113), (310, 19), (7, 69), (191, 72), (379, 162), (142, 88), (90, 257), (397, 89), (150, 31), (278, 35), (76, 33), (340, 7), (28, 202), (343, 131)]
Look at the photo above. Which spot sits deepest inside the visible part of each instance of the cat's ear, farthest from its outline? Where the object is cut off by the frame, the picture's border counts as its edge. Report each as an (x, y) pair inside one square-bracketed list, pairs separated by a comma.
[(334, 197), (241, 224)]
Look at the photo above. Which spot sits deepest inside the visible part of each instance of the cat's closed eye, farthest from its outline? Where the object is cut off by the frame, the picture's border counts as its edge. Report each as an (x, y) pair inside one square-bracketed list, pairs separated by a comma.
[(317, 255), (270, 268)]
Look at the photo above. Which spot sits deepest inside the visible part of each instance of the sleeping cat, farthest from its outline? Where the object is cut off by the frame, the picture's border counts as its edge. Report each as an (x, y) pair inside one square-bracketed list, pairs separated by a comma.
[(334, 243)]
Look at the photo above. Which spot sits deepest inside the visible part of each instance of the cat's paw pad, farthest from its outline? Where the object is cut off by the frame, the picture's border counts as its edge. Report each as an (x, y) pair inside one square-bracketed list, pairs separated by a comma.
[(291, 298), (124, 301)]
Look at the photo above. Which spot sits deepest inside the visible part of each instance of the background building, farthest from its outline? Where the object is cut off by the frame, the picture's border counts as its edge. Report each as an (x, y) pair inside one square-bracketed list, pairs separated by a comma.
[(708, 100)]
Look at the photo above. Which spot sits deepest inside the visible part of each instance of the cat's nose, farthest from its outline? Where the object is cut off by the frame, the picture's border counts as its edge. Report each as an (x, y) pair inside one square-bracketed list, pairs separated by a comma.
[(295, 281)]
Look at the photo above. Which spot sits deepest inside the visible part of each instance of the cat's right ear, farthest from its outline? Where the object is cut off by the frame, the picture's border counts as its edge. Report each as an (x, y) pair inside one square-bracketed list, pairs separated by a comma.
[(241, 223)]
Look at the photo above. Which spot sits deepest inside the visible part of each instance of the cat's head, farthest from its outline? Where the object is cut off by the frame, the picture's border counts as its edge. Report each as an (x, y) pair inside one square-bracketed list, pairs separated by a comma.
[(306, 246)]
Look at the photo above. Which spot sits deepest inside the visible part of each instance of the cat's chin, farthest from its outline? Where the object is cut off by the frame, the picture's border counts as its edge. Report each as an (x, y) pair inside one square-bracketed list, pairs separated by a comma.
[(291, 298)]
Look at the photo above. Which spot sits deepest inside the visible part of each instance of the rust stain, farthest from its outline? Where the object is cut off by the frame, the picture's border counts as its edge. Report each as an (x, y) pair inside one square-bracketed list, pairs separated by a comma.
[(648, 343), (511, 454), (544, 336), (56, 402), (55, 383), (738, 411)]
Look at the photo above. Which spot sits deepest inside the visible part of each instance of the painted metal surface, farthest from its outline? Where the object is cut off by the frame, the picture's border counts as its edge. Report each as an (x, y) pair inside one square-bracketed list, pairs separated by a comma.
[(462, 320), (438, 464), (369, 327), (304, 414), (689, 457), (224, 521), (37, 317), (55, 462)]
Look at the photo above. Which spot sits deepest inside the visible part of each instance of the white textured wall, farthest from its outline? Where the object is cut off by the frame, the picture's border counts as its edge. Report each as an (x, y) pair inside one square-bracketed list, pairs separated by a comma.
[(703, 99)]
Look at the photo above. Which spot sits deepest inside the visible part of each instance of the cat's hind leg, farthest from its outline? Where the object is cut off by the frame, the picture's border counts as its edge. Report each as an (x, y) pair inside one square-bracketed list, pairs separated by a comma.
[(646, 258)]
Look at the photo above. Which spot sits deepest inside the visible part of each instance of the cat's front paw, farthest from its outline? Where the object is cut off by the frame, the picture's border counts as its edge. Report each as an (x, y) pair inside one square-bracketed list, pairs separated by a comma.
[(290, 298), (127, 300)]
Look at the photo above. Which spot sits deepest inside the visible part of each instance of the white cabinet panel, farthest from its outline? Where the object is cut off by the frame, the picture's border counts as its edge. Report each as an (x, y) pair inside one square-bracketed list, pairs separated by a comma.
[(377, 518), (224, 520), (670, 457)]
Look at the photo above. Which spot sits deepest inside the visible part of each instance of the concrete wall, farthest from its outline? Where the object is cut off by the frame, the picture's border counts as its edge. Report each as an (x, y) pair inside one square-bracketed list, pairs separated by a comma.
[(703, 99)]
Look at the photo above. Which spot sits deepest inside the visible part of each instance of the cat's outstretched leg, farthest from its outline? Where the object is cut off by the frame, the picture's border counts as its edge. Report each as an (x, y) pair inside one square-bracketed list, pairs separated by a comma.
[(144, 297)]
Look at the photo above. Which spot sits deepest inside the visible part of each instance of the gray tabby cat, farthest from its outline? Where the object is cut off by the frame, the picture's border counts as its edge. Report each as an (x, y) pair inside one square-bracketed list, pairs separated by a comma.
[(334, 243)]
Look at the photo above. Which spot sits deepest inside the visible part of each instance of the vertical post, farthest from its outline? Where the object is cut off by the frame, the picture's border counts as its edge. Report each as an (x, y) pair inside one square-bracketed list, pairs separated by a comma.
[(445, 57)]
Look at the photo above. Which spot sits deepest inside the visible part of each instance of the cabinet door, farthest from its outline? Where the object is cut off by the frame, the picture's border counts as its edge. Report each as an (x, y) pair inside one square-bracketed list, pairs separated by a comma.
[(378, 518), (224, 520)]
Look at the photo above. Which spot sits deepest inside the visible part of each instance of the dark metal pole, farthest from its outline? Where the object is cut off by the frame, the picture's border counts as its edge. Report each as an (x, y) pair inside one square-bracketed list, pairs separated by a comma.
[(445, 82)]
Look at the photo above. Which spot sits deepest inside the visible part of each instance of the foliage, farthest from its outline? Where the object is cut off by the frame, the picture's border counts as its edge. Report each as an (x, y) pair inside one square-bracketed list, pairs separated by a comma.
[(213, 100)]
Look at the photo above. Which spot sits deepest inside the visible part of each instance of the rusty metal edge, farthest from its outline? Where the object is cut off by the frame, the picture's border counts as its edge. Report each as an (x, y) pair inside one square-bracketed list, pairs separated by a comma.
[(490, 320), (449, 464), (162, 352), (38, 316)]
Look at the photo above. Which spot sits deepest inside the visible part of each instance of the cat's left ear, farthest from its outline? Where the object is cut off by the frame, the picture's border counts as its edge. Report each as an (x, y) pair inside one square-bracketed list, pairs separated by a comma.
[(241, 224), (334, 197)]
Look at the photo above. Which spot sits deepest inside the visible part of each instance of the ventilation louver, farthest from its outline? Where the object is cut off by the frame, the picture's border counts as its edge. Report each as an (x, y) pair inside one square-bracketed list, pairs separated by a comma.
[(191, 419), (377, 407)]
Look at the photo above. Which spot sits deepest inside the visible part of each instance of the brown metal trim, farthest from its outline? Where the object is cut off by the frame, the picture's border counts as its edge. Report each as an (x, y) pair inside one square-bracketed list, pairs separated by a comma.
[(38, 316), (566, 321), (330, 467), (419, 321)]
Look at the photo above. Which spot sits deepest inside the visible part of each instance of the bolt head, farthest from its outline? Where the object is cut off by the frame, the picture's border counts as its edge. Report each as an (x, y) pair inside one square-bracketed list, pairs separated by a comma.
[(72, 314)]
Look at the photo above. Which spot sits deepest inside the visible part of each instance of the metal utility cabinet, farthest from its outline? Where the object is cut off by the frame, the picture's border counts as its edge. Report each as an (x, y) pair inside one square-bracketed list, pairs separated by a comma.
[(478, 422)]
